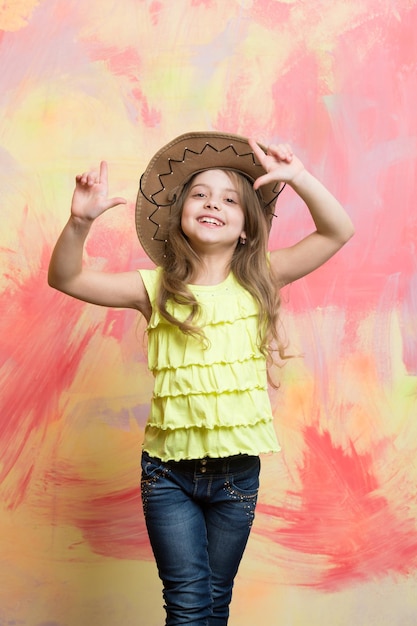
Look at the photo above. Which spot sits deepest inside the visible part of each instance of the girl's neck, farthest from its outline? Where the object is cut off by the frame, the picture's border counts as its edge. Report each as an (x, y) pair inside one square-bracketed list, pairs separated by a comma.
[(213, 270)]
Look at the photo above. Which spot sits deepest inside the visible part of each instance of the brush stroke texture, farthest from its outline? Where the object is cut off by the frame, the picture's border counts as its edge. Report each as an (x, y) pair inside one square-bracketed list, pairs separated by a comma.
[(335, 533)]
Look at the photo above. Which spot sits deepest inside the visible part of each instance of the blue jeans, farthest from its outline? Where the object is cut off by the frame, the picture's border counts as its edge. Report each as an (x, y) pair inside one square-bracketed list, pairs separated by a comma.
[(199, 514)]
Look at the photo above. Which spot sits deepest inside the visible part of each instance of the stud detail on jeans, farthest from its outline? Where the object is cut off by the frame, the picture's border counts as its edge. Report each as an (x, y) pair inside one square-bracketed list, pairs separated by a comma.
[(147, 484), (248, 501)]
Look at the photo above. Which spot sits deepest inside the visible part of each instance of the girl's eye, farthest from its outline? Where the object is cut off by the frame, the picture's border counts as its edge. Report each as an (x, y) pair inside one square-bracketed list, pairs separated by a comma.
[(231, 200)]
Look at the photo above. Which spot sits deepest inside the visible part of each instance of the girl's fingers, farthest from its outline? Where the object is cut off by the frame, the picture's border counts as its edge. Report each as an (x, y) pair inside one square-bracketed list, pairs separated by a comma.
[(283, 152), (276, 153), (115, 201), (92, 179), (264, 180), (103, 172), (87, 178), (259, 153)]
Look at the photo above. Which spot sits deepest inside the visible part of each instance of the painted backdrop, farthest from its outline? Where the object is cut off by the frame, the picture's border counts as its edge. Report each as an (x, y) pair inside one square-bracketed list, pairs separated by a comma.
[(335, 538)]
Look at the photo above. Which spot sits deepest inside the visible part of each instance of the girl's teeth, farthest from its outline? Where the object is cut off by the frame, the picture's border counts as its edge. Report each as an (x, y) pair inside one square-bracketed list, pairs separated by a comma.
[(210, 221)]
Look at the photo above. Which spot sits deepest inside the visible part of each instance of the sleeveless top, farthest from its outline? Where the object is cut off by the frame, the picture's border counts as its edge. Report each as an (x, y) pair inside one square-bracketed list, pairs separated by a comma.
[(210, 397)]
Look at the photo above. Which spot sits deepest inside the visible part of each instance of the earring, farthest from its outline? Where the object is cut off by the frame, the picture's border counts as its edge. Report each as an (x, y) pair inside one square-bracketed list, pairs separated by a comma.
[(242, 241)]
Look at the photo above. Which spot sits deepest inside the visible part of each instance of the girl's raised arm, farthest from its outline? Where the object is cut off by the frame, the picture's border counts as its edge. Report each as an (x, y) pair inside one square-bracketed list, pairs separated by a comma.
[(66, 270), (333, 225)]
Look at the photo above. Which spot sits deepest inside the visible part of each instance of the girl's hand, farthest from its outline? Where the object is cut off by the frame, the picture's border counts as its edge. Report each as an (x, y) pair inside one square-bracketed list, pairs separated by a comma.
[(280, 163), (90, 195)]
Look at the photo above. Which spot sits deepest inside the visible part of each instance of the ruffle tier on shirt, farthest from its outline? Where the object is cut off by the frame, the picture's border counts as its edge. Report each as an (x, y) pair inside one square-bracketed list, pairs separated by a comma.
[(197, 443)]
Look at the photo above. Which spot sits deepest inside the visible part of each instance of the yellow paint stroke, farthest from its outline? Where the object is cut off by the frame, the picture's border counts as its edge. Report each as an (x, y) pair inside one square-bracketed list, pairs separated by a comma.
[(16, 15)]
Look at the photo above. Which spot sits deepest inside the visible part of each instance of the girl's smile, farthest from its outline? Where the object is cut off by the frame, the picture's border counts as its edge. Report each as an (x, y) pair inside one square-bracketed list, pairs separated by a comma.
[(210, 221)]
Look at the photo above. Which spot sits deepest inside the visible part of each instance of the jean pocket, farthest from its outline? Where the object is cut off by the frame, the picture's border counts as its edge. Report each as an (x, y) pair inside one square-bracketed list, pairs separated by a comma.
[(246, 481), (242, 490), (151, 466), (152, 470), (244, 484)]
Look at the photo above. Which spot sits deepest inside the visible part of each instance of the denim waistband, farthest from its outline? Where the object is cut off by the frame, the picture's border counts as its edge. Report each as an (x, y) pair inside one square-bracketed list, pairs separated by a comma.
[(209, 465)]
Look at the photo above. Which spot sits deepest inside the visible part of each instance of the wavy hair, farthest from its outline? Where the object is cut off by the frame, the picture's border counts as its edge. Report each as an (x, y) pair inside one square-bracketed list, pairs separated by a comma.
[(249, 265)]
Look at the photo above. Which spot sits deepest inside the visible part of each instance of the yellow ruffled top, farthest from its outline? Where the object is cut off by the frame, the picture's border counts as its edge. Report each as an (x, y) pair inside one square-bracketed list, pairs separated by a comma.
[(210, 398)]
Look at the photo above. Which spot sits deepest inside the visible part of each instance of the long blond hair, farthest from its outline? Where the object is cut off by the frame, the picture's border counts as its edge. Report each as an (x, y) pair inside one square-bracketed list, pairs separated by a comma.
[(249, 265)]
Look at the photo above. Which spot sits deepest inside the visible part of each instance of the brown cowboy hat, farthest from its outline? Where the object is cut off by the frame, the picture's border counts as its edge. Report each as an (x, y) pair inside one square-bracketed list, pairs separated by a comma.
[(174, 164)]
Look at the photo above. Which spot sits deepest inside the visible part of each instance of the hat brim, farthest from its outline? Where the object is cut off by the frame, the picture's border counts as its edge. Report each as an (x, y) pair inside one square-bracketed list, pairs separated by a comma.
[(174, 164)]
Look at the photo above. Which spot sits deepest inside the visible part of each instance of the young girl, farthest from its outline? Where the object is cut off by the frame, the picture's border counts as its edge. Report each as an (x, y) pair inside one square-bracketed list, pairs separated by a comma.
[(203, 215)]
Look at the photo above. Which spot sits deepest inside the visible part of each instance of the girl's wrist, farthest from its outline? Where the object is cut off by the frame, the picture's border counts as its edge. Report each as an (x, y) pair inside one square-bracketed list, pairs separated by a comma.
[(300, 180), (80, 223)]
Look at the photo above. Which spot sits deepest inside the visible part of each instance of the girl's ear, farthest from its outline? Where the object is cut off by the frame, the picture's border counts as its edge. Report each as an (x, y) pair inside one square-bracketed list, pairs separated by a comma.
[(242, 238)]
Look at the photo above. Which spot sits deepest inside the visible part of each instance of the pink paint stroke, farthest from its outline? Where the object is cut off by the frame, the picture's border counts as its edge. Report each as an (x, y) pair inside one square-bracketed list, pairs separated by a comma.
[(339, 523), (40, 355), (125, 63)]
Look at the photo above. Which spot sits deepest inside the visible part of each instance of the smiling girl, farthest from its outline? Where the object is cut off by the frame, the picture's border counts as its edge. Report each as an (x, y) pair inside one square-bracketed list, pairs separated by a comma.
[(203, 215)]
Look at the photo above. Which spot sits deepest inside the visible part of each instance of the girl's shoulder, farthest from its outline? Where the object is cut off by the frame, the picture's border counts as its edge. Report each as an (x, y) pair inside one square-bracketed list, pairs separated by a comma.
[(151, 279)]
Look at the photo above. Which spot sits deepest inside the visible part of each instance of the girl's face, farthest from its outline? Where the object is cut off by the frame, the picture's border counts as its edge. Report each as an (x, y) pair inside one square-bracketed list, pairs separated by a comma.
[(212, 214)]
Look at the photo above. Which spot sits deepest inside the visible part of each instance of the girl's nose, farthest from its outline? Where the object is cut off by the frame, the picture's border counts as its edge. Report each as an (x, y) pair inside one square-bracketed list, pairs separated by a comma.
[(212, 204)]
